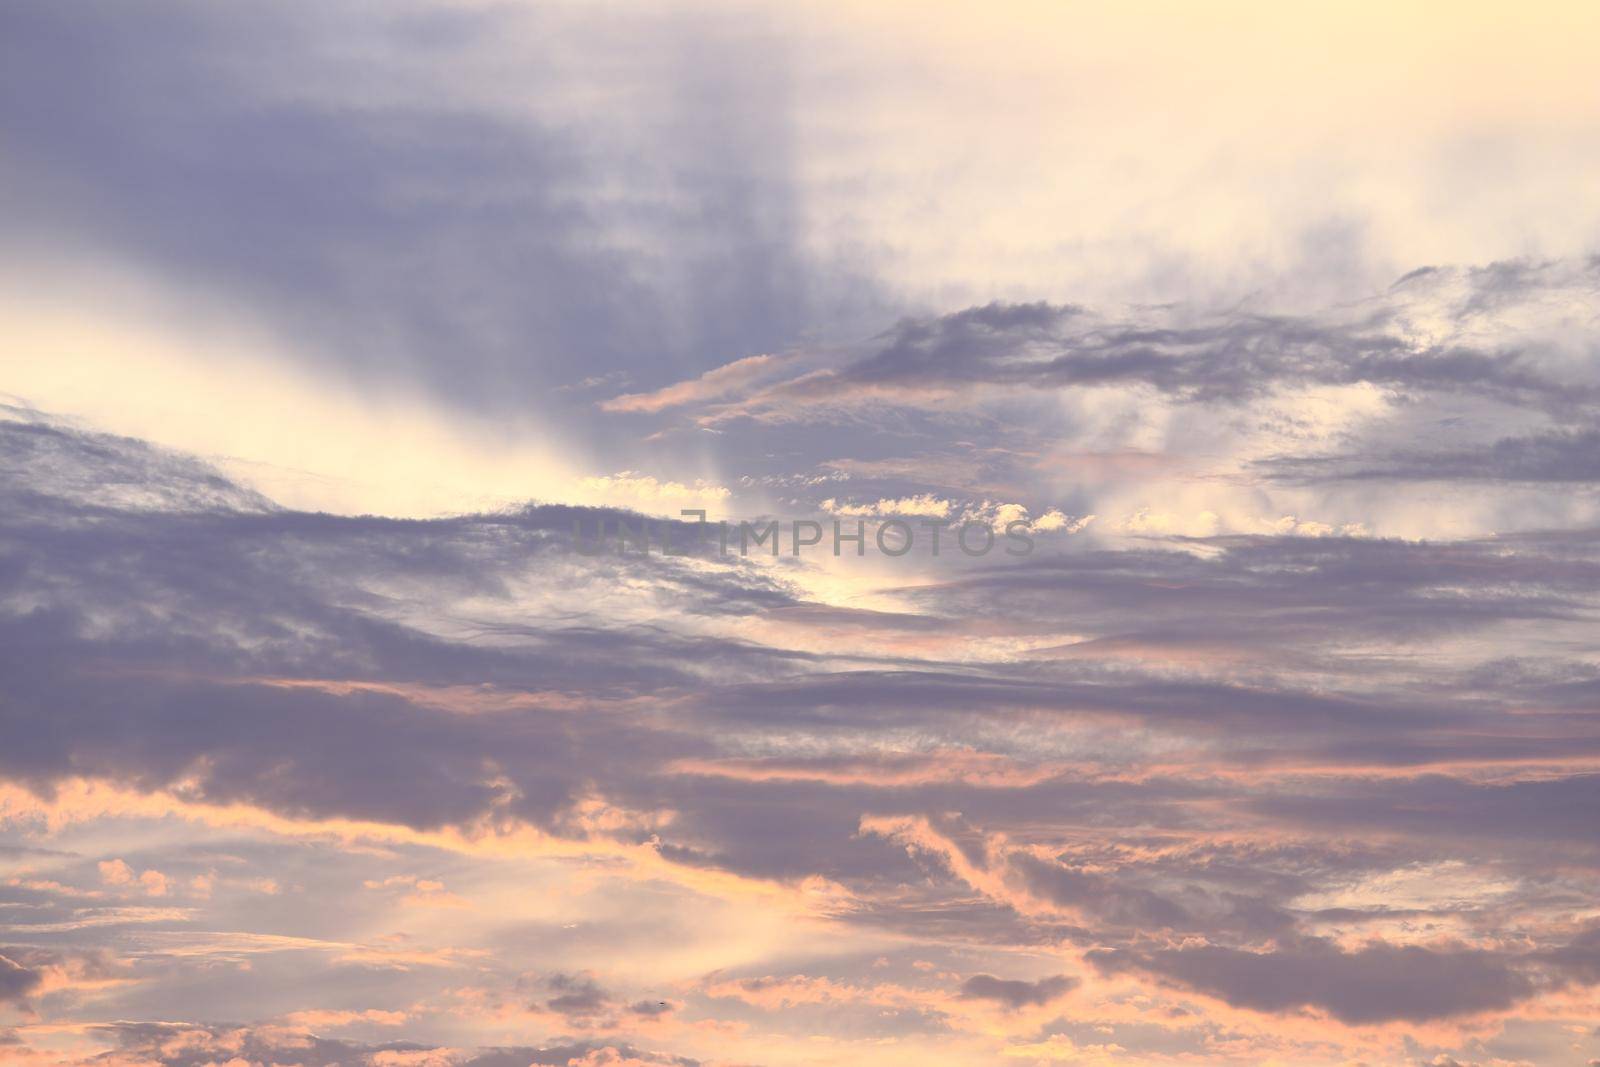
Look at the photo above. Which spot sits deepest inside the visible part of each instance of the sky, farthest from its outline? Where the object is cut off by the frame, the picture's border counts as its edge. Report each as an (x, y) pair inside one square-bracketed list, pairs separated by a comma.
[(1178, 643)]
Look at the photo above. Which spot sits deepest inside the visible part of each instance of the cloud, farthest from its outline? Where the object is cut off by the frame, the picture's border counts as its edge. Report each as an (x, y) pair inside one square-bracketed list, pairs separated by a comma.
[(1054, 520), (392, 716), (419, 892), (1579, 959), (1288, 756), (319, 1019), (1374, 984), (1561, 456), (711, 385), (30, 972), (580, 1000), (516, 263), (927, 506), (1221, 727), (631, 489), (115, 872), (191, 1045), (963, 358), (1015, 993), (16, 981)]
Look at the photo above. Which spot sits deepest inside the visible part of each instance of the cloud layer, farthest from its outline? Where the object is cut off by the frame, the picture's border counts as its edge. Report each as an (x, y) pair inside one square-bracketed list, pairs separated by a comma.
[(333, 336)]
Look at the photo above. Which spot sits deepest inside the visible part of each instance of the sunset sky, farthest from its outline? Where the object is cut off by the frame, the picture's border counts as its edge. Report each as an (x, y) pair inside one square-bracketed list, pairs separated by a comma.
[(1271, 330)]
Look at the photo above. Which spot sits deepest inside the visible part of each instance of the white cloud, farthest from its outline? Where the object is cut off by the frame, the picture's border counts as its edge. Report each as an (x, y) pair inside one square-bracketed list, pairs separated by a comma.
[(925, 506), (645, 492)]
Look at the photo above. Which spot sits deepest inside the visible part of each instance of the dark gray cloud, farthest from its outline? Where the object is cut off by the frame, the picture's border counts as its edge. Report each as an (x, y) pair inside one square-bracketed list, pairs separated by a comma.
[(1316, 591), (23, 968), (1375, 984), (1227, 358), (1565, 456), (16, 981), (191, 1045), (1553, 809), (578, 997), (1112, 902), (1015, 993), (1579, 959)]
